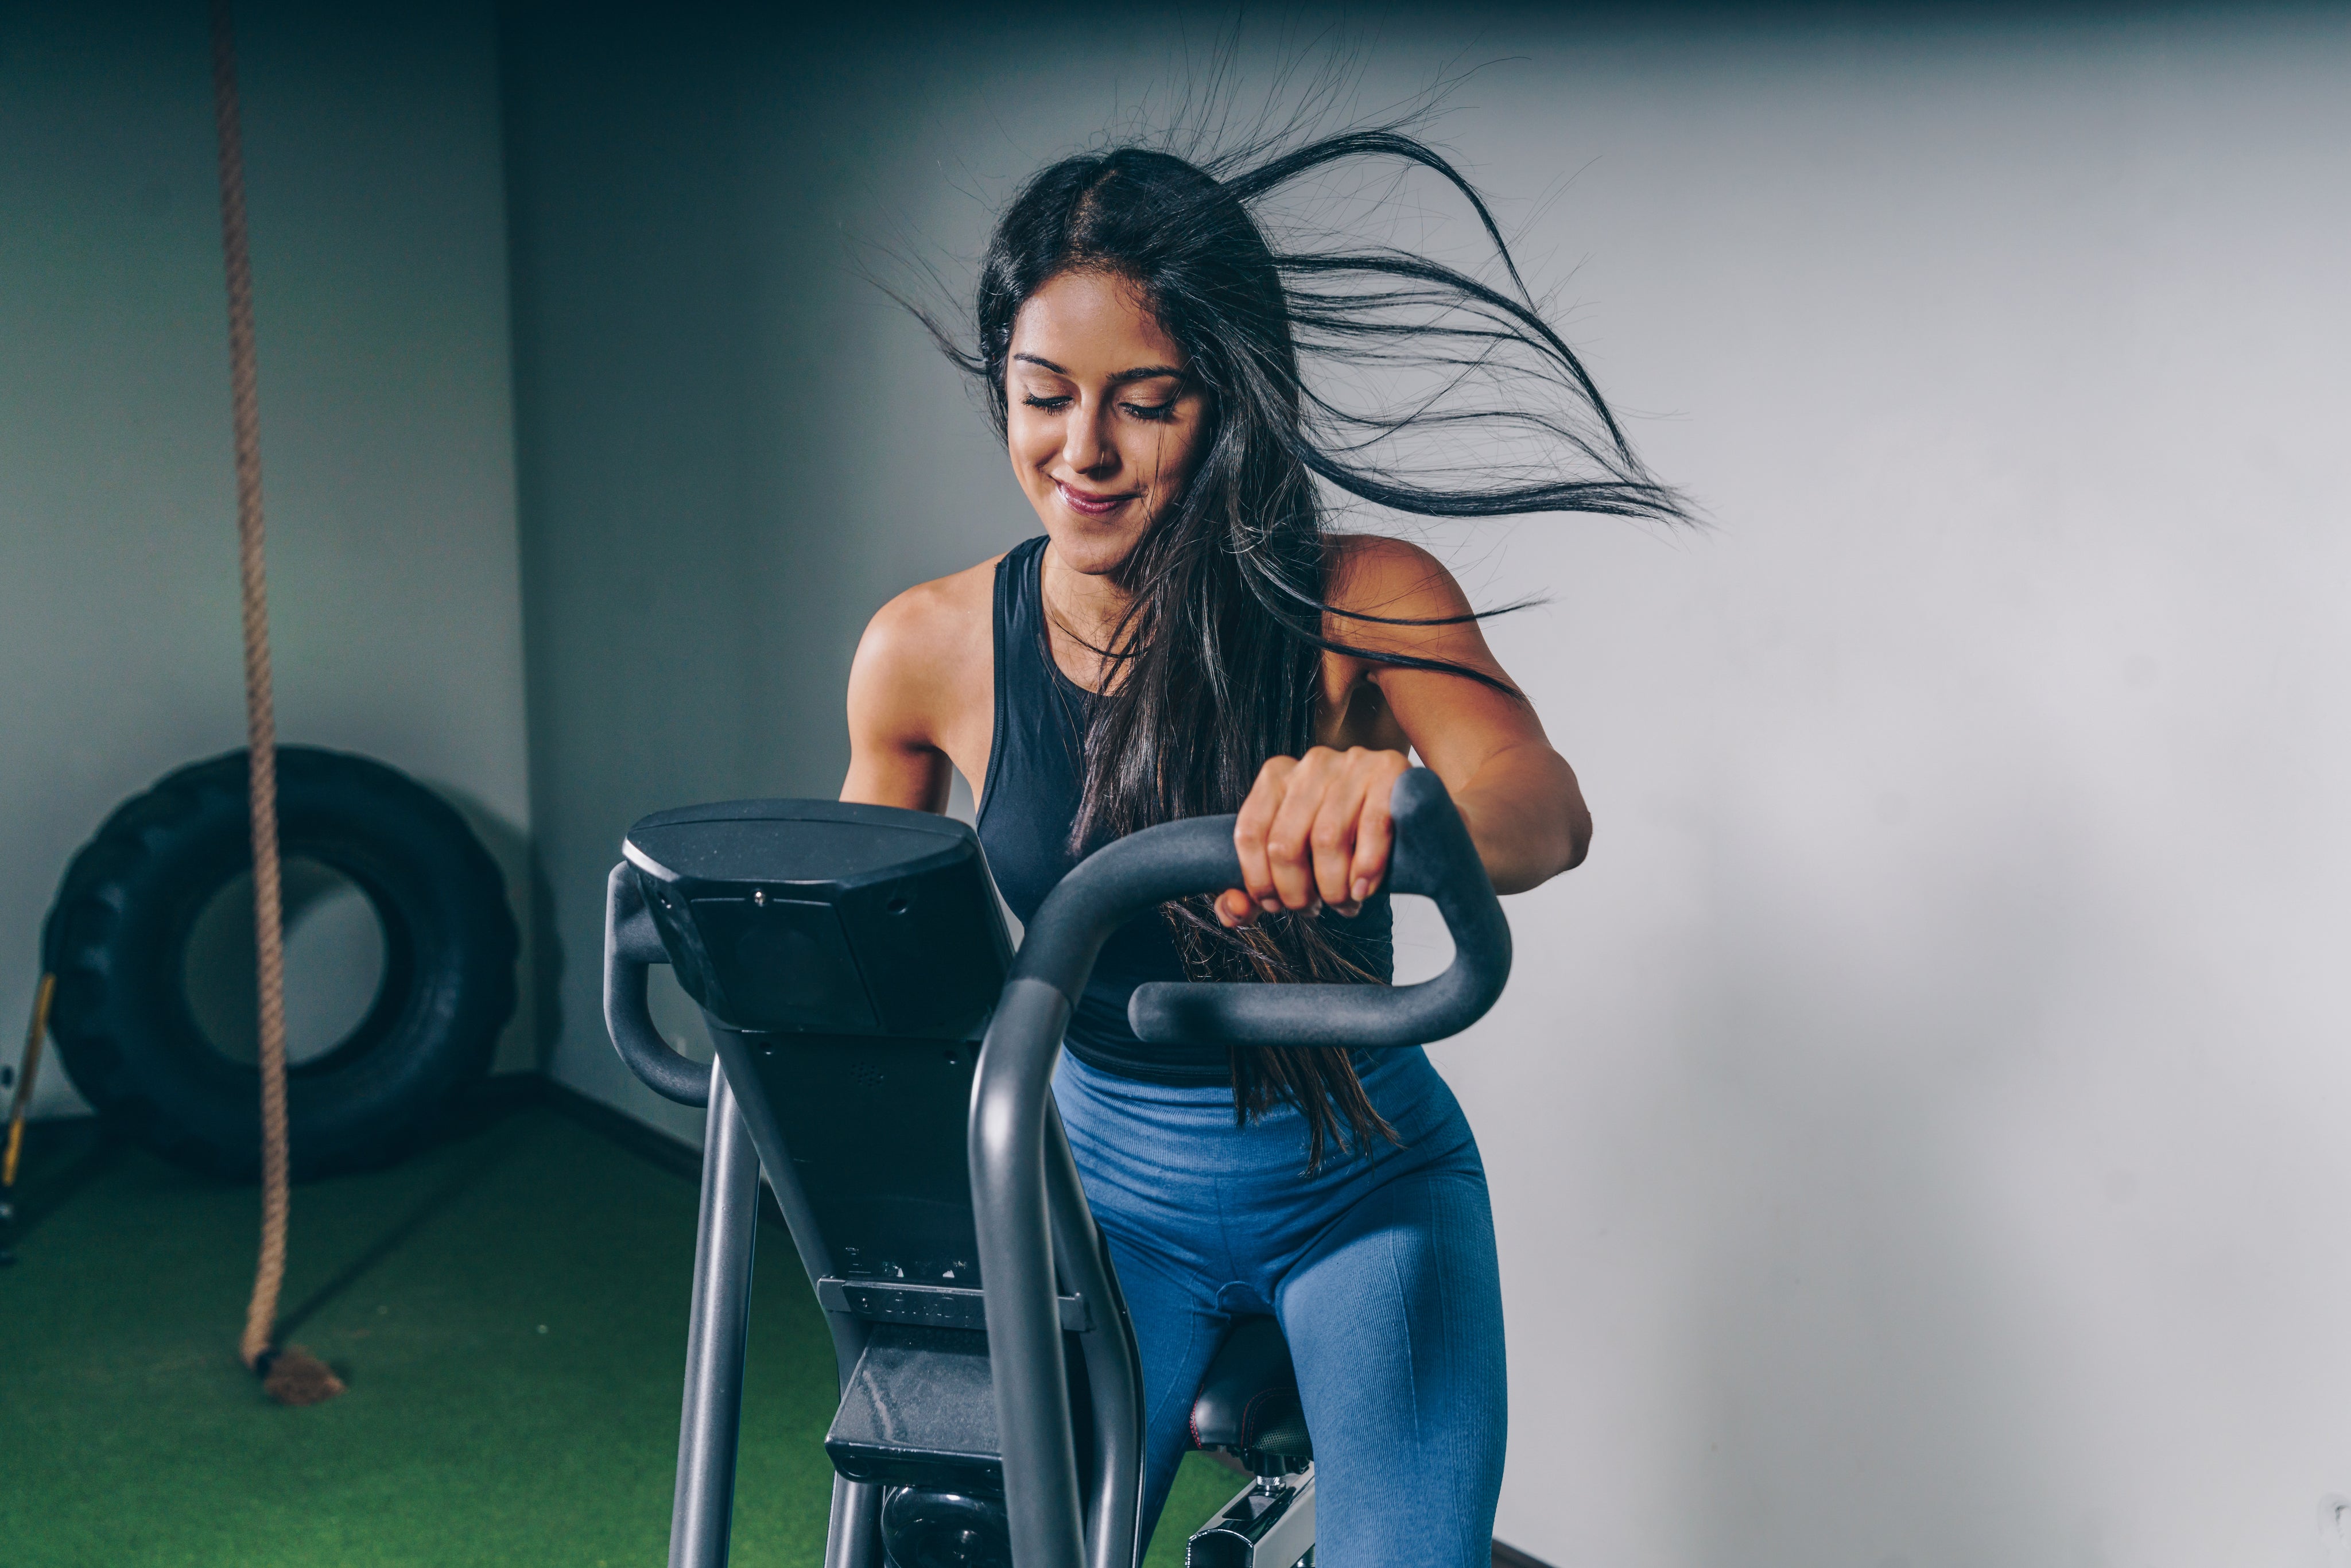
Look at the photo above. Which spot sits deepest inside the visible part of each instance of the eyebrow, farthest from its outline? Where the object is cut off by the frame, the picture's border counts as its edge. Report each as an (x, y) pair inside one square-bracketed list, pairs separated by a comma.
[(1139, 374)]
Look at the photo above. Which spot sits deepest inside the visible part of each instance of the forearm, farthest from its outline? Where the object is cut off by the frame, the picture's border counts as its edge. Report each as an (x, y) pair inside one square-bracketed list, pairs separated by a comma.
[(1526, 815)]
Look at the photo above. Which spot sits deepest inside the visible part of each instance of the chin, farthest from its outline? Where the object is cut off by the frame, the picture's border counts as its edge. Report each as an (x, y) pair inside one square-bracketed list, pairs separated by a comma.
[(1090, 548)]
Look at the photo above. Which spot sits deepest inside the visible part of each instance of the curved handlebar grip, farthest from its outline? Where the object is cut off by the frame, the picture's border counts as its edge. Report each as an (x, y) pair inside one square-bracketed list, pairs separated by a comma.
[(1434, 856), (631, 946)]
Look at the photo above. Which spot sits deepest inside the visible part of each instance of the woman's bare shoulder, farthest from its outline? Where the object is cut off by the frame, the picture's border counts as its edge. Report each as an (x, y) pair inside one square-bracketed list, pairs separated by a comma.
[(1373, 575), (930, 637), (935, 619)]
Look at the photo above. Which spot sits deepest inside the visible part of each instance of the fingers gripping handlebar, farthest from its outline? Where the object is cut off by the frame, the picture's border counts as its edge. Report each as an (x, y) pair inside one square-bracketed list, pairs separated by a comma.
[(1434, 856), (631, 946)]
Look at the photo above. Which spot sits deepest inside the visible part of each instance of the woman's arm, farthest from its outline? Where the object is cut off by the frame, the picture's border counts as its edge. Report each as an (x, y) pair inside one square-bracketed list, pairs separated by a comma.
[(911, 693), (1315, 830)]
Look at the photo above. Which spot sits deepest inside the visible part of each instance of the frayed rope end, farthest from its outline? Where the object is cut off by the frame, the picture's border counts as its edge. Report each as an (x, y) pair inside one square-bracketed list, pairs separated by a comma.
[(294, 1376)]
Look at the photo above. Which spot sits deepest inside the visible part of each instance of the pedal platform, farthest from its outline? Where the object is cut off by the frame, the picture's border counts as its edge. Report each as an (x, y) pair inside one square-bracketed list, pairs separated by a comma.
[(1269, 1525)]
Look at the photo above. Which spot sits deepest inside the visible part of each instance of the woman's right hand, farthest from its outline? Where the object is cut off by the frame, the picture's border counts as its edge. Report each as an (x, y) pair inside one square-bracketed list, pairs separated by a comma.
[(1315, 832)]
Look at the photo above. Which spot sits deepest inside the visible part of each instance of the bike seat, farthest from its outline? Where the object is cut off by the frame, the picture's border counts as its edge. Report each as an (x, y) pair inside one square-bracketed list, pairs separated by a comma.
[(1249, 1403)]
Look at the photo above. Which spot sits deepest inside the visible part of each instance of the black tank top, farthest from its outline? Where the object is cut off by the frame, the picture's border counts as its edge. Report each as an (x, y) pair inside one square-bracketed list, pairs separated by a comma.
[(1027, 804)]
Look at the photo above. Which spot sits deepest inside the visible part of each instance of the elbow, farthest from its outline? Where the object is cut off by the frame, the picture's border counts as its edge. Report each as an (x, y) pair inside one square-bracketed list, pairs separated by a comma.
[(1536, 857), (1534, 833)]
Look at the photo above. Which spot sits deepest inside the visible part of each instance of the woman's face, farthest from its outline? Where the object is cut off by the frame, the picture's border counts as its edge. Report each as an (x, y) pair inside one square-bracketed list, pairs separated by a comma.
[(1104, 425)]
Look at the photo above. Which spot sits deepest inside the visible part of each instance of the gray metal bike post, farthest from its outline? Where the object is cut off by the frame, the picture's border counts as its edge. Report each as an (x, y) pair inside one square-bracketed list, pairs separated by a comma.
[(1009, 1200), (854, 1538), (704, 1510)]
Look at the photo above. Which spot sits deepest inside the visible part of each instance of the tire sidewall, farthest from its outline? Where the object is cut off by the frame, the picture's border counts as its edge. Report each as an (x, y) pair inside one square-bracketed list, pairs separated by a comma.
[(118, 936)]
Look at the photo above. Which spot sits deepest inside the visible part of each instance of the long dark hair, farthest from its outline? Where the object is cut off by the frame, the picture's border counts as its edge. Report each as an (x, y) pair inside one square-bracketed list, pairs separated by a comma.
[(1214, 666)]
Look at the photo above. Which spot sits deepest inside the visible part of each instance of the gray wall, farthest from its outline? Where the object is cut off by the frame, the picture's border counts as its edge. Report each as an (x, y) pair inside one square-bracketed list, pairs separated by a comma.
[(1915, 1136), (377, 207)]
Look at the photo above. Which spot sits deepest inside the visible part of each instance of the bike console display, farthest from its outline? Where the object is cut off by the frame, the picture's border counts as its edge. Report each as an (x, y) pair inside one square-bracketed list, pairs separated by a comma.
[(808, 917)]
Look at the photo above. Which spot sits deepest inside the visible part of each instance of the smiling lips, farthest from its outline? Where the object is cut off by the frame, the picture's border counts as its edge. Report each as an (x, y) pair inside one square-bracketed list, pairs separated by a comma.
[(1090, 505)]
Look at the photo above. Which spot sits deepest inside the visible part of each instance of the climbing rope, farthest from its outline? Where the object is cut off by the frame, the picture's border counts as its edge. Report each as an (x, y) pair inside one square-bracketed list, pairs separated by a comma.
[(290, 1375)]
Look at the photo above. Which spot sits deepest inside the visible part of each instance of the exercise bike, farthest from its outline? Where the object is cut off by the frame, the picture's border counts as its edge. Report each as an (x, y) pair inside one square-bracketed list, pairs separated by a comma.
[(885, 1059)]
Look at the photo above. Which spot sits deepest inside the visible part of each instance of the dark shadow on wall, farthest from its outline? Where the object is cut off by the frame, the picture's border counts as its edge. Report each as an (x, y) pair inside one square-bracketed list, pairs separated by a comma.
[(657, 570)]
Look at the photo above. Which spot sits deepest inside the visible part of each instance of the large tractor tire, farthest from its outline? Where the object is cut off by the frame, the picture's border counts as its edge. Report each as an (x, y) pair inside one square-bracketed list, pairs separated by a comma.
[(117, 939)]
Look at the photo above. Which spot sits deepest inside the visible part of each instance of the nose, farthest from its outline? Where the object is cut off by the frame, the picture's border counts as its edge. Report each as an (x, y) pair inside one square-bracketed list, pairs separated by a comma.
[(1086, 445)]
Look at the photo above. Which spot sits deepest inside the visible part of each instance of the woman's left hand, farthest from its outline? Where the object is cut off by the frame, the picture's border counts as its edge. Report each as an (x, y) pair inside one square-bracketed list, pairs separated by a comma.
[(1314, 831)]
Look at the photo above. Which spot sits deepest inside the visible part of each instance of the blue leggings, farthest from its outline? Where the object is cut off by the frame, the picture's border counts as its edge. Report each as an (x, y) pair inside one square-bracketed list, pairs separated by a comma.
[(1380, 1269)]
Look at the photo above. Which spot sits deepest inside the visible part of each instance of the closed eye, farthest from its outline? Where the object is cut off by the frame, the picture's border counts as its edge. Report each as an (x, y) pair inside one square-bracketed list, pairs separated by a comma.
[(1160, 412), (1050, 404)]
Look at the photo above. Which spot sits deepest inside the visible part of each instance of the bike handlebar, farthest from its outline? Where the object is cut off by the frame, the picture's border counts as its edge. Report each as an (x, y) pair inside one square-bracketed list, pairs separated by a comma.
[(1434, 856), (631, 946)]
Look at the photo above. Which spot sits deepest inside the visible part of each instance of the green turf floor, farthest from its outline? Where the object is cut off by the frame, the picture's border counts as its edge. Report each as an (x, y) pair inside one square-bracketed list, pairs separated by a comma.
[(509, 1312)]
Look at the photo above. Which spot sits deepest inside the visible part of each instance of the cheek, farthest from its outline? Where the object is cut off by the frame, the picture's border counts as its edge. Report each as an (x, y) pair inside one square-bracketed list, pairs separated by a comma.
[(1031, 442), (1177, 446)]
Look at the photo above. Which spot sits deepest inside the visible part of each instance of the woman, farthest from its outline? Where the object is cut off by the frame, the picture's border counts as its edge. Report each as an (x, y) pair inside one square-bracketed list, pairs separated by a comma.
[(1188, 637)]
